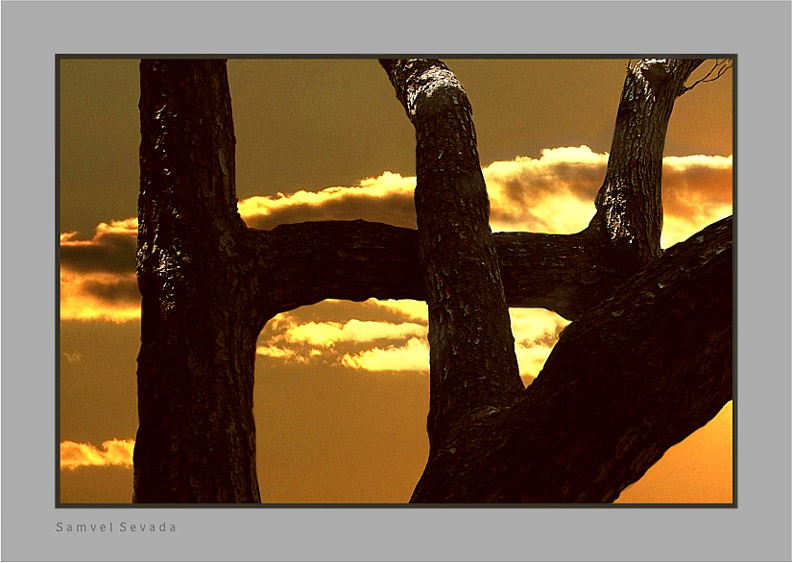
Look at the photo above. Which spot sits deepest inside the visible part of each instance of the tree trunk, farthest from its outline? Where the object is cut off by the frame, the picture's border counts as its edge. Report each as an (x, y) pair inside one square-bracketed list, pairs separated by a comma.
[(647, 361), (196, 439)]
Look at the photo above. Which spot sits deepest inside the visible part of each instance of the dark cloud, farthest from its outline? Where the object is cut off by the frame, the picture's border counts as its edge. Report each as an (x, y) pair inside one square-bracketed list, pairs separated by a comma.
[(531, 186), (118, 291), (98, 275), (110, 252), (395, 209)]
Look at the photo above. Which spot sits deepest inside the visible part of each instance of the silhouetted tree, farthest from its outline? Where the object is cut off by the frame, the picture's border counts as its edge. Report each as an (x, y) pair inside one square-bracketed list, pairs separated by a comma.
[(646, 361)]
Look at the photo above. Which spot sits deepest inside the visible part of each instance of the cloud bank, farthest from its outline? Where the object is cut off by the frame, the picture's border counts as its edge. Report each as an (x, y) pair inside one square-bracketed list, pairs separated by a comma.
[(553, 193), (398, 345), (367, 345)]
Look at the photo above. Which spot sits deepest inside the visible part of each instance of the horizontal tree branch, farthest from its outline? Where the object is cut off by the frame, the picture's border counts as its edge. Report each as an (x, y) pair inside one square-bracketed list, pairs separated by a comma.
[(352, 260), (357, 260)]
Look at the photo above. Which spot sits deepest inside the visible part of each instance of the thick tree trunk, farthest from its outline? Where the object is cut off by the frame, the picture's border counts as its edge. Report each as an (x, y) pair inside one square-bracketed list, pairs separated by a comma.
[(196, 439), (647, 362)]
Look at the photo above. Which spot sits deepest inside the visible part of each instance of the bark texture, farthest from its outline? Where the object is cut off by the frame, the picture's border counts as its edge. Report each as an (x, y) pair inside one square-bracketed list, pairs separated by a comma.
[(634, 376), (196, 435), (646, 362), (472, 363), (629, 217), (358, 260)]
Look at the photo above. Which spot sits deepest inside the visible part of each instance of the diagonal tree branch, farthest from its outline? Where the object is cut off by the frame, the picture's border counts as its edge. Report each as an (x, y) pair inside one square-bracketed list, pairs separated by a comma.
[(635, 375), (631, 378), (472, 360)]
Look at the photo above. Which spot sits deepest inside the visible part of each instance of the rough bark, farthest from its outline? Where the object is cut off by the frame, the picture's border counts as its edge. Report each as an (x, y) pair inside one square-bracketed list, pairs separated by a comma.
[(642, 367), (467, 465), (305, 263), (472, 363), (629, 216), (634, 376), (196, 436)]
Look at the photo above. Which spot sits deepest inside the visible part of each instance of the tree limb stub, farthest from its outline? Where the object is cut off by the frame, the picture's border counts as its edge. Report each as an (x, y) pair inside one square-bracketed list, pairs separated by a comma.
[(472, 359)]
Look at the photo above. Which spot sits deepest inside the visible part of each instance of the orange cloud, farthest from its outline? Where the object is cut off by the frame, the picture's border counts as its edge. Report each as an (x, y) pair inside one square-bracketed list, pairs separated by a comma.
[(286, 355), (409, 309), (289, 340), (113, 452), (329, 333), (411, 356), (553, 193), (535, 332), (355, 344), (97, 276), (697, 191), (72, 357), (98, 296), (386, 199)]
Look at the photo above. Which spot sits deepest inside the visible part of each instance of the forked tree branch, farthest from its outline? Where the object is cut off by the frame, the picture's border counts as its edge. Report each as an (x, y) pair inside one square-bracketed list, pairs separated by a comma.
[(629, 216)]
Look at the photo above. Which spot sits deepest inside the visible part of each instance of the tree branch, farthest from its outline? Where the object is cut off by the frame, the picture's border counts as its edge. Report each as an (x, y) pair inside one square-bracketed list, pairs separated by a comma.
[(631, 378), (719, 68), (472, 359), (308, 262), (629, 216)]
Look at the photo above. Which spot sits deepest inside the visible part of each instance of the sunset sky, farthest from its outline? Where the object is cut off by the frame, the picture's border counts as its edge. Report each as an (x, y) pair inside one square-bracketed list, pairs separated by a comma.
[(341, 392)]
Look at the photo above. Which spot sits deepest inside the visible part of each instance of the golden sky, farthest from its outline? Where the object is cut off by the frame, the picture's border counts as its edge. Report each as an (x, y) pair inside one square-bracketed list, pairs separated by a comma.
[(341, 391)]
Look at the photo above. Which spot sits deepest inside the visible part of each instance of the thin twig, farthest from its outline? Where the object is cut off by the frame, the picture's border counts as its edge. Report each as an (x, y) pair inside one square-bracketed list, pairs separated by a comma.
[(719, 68)]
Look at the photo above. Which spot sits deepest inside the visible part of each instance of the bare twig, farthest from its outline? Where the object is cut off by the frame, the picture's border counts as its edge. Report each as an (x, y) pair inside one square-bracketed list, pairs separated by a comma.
[(718, 69)]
